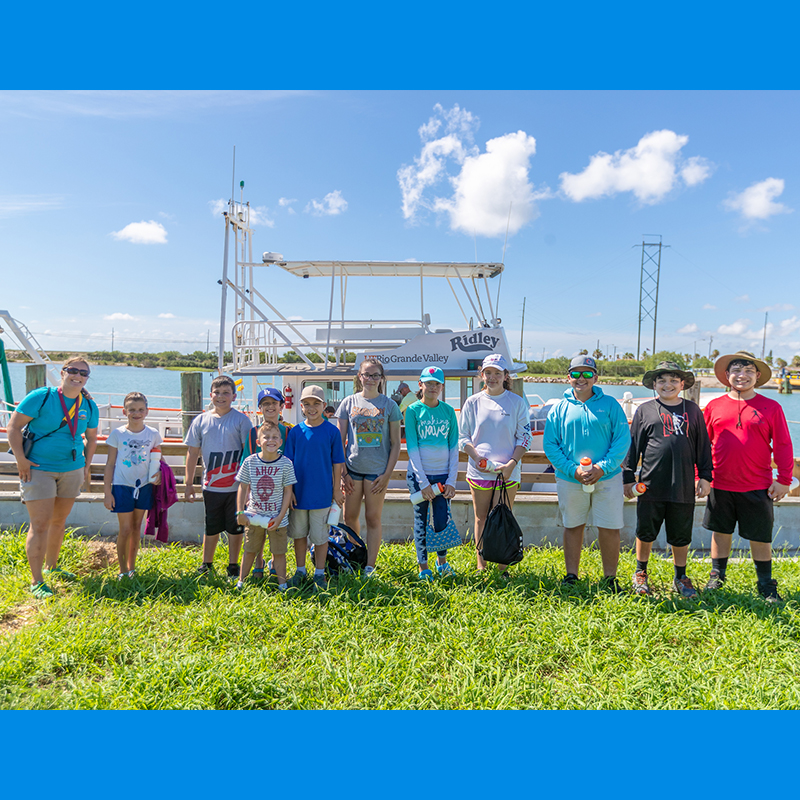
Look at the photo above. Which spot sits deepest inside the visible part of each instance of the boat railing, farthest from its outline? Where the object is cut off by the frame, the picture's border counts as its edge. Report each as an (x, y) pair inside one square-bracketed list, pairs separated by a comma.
[(260, 342)]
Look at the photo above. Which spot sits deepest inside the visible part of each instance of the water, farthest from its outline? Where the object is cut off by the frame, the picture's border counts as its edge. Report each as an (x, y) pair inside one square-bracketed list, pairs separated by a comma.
[(163, 388)]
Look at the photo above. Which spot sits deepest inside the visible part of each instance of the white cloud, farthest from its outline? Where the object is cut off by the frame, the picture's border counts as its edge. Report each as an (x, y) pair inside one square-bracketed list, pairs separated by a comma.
[(650, 170), (742, 298), (709, 307), (596, 314), (286, 201), (117, 316), (332, 204), (735, 328), (690, 328), (166, 316), (788, 326), (151, 232), (491, 190), (778, 307), (758, 200)]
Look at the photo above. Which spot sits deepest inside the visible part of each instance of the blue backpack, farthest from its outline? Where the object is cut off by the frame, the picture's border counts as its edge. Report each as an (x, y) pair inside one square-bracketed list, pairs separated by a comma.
[(347, 553)]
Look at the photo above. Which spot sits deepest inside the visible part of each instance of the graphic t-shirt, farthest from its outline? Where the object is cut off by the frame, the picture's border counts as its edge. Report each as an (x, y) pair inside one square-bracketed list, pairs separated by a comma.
[(221, 441), (313, 450), (55, 452), (267, 480), (432, 441), (133, 454), (670, 440), (368, 440)]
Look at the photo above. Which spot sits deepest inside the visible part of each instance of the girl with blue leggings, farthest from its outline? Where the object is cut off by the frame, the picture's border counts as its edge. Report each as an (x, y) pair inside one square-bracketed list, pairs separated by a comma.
[(432, 443)]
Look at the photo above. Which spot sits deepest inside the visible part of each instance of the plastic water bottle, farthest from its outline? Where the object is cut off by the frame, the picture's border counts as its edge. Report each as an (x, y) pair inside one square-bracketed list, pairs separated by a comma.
[(261, 520), (485, 465), (587, 462), (154, 465), (335, 514), (417, 497), (638, 489)]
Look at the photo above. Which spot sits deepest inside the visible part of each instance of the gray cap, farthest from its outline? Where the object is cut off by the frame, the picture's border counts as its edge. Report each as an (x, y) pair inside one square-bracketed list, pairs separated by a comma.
[(582, 362)]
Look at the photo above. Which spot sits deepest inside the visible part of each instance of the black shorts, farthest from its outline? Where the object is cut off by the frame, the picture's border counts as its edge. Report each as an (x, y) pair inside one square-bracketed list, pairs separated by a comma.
[(678, 519), (220, 510), (752, 510)]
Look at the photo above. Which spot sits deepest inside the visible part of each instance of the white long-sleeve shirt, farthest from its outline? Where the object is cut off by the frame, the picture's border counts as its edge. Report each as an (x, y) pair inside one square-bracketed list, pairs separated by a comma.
[(494, 426)]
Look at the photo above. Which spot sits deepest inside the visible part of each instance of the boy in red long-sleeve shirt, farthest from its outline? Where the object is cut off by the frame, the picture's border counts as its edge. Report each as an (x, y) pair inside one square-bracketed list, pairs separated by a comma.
[(747, 431)]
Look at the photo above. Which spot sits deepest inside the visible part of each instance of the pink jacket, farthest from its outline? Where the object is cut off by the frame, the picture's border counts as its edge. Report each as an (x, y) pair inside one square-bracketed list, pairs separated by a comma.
[(165, 494)]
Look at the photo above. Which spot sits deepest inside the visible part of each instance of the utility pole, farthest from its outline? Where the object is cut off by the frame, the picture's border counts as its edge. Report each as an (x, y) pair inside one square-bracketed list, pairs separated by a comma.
[(522, 327), (710, 340), (648, 286)]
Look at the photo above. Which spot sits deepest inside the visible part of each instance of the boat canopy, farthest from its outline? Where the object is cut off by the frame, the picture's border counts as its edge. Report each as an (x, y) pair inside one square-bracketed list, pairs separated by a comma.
[(386, 269)]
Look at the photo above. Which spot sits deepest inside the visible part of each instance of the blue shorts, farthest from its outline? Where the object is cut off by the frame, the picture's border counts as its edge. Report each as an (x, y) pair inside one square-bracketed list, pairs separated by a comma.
[(124, 502), (360, 476)]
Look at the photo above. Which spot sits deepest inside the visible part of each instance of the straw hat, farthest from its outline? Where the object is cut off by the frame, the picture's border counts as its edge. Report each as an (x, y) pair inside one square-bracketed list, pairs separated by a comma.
[(667, 366), (721, 367)]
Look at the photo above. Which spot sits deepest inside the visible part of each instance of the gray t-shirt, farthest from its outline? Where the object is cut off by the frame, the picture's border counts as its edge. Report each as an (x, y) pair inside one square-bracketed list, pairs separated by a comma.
[(222, 441), (368, 440)]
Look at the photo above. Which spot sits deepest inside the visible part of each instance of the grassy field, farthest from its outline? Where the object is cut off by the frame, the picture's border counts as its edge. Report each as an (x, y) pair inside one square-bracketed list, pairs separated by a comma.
[(169, 642)]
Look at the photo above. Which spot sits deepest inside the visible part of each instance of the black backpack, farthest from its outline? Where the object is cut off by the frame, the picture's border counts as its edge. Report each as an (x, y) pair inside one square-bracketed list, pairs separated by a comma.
[(501, 541), (347, 553)]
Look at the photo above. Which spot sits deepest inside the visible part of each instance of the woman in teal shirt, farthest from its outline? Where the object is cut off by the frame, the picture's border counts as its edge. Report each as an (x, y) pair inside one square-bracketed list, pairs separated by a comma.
[(64, 423)]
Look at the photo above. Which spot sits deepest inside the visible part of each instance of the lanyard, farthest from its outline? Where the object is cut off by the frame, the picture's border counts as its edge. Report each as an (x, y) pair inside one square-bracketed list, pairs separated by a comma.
[(71, 416)]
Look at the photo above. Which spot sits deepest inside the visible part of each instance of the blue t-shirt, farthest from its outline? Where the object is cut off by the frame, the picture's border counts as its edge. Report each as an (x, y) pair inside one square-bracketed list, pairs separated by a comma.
[(314, 451), (54, 454)]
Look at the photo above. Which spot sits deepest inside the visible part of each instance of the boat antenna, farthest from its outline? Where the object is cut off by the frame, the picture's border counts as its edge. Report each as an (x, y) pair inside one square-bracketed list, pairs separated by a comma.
[(505, 244), (233, 177)]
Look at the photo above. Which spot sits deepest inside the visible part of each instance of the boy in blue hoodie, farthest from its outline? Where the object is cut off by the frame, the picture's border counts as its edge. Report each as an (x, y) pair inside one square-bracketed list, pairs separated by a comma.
[(588, 424)]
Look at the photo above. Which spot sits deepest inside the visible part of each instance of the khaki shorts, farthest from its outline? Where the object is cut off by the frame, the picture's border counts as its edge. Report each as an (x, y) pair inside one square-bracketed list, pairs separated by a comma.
[(47, 485), (601, 508), (255, 537), (312, 523)]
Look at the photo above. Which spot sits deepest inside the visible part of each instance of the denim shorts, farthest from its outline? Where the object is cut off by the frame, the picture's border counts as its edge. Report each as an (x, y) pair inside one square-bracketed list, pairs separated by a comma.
[(358, 476)]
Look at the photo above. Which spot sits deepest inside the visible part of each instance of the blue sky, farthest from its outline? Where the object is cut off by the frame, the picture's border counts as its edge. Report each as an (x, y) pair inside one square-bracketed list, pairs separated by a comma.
[(112, 201)]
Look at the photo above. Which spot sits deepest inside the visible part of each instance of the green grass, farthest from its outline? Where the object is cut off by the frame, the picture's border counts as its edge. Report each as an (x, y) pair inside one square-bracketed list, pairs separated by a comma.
[(393, 642)]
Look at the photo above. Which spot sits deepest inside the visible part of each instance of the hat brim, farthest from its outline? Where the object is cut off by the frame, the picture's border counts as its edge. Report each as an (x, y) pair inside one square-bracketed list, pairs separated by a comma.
[(650, 376), (721, 367)]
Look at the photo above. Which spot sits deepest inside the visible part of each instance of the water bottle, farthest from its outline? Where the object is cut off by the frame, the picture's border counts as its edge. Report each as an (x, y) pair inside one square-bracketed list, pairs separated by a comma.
[(335, 514), (485, 465), (417, 497), (587, 462), (260, 520), (154, 465), (638, 489)]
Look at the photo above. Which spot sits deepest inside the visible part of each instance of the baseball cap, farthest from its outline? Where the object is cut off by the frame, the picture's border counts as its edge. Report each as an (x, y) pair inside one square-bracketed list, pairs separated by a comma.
[(495, 360), (431, 374), (315, 392), (583, 362), (272, 393)]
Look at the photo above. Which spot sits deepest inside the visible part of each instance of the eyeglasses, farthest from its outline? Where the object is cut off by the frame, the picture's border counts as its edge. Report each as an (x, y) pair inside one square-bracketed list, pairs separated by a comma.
[(371, 376), (84, 373), (575, 375)]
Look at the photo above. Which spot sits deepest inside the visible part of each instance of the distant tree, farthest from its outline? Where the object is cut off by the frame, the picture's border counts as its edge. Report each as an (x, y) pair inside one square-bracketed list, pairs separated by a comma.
[(796, 361), (714, 355), (768, 359), (583, 352), (780, 363), (664, 355), (701, 362), (628, 356), (598, 353)]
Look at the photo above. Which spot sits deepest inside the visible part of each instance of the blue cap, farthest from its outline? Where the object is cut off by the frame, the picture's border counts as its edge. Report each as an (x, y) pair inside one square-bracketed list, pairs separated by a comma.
[(583, 362), (431, 374), (272, 393)]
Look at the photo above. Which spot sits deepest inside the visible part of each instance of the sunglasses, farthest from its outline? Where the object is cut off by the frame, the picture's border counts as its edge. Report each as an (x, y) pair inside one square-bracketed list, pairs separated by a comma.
[(371, 376), (84, 373), (576, 374)]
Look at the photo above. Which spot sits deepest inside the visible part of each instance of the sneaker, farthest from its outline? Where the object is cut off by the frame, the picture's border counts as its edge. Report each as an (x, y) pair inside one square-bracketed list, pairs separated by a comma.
[(569, 579), (368, 572), (297, 581), (684, 587), (131, 573), (271, 568), (640, 584), (282, 587), (320, 583), (240, 584), (122, 575), (60, 573), (425, 575), (611, 584), (257, 573), (769, 591), (204, 569), (445, 570), (41, 591), (233, 570), (715, 581)]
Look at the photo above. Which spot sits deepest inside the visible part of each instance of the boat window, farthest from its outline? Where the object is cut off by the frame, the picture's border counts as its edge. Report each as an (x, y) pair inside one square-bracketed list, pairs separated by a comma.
[(335, 391)]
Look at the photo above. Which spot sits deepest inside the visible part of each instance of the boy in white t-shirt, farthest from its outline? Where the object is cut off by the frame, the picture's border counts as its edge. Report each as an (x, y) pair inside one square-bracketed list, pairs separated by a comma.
[(266, 481), (127, 487)]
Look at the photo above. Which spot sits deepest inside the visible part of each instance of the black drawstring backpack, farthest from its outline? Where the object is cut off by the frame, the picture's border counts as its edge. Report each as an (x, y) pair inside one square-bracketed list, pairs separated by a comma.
[(501, 541)]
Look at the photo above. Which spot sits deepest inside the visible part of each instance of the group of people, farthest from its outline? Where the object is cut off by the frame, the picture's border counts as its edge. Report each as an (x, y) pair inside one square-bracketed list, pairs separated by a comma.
[(264, 486)]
